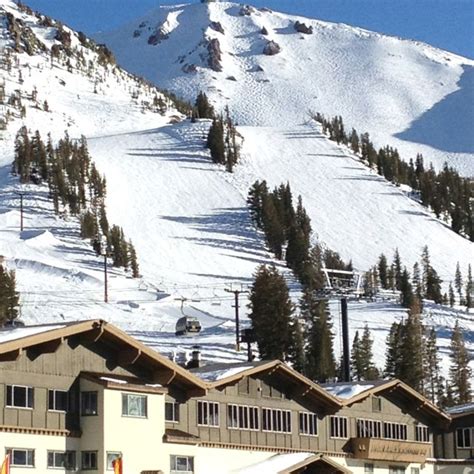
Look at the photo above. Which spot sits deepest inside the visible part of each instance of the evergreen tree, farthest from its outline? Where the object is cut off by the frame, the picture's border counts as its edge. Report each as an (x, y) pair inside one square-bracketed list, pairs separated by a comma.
[(458, 284), (397, 266), (460, 374), (270, 313), (204, 108), (417, 282), (215, 141), (394, 351), (132, 257), (469, 288), (434, 383), (369, 371), (9, 297), (406, 290), (297, 354), (382, 269), (357, 365), (321, 365), (451, 295)]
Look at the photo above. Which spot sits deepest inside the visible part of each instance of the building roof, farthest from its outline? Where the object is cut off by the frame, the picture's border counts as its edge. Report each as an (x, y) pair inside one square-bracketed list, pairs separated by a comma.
[(218, 377), (48, 337), (347, 390), (294, 462), (461, 410), (401, 392)]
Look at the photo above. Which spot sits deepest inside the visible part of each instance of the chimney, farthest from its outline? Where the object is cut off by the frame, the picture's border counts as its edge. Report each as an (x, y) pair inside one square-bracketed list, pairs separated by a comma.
[(346, 355), (195, 361)]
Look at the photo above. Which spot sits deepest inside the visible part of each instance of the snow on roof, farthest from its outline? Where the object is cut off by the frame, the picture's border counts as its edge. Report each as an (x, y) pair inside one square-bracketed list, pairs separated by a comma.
[(11, 334), (347, 390), (460, 409), (276, 463), (219, 374), (110, 379)]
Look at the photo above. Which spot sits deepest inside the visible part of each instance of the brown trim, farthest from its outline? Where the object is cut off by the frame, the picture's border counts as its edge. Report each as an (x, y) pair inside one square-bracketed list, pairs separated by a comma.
[(93, 330), (273, 449), (40, 431), (396, 384), (276, 365)]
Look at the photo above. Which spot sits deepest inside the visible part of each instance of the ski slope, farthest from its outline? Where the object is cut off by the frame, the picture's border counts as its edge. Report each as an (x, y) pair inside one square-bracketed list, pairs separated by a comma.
[(404, 93), (188, 218)]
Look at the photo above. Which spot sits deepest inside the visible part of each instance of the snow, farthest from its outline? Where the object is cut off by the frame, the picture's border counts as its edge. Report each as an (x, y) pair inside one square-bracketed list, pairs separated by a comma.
[(188, 218), (404, 93), (215, 375), (110, 379), (347, 391), (276, 463), (12, 334), (461, 409)]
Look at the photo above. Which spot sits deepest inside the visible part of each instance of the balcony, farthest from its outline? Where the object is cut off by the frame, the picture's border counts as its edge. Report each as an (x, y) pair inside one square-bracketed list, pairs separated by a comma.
[(390, 450)]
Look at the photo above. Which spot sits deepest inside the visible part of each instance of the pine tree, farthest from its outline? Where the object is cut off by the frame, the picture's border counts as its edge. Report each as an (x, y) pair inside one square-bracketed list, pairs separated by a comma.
[(204, 108), (460, 374), (382, 269), (434, 383), (469, 288), (9, 297), (321, 365), (270, 312), (397, 266), (406, 290), (357, 365), (297, 354), (215, 141), (132, 257), (458, 284), (393, 354), (451, 295), (416, 281), (369, 371)]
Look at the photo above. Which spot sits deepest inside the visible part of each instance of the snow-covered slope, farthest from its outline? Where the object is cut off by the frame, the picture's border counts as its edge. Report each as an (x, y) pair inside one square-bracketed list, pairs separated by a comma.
[(406, 94), (186, 216)]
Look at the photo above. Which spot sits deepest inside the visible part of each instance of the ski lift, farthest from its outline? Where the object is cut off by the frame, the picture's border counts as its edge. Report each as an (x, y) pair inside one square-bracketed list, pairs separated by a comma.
[(215, 298), (187, 325)]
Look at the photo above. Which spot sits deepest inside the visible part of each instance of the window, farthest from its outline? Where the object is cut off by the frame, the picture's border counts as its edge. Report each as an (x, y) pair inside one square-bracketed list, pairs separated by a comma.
[(88, 403), (134, 405), (338, 427), (21, 457), (308, 424), (415, 470), (396, 470), (111, 457), (369, 429), (62, 460), (20, 396), (277, 420), (208, 413), (182, 464), (394, 431), (422, 433), (172, 412), (57, 400), (242, 417), (368, 468), (464, 438), (89, 460), (376, 404)]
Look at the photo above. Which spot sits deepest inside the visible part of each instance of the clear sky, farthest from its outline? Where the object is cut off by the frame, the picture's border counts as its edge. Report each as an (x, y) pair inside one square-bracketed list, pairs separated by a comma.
[(447, 24)]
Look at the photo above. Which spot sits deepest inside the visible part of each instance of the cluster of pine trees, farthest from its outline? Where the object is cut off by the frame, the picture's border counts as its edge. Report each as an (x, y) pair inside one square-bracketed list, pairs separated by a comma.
[(304, 339), (463, 291), (222, 142), (74, 185), (423, 283), (288, 233), (412, 356), (447, 193), (9, 297)]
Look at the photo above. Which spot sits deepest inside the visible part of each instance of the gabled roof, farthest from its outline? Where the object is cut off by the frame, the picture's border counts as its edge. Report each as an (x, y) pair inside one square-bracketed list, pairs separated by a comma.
[(461, 410), (400, 390), (46, 338), (309, 388)]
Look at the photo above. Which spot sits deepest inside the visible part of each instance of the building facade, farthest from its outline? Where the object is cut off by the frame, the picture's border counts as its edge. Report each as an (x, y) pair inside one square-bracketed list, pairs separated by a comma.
[(75, 397)]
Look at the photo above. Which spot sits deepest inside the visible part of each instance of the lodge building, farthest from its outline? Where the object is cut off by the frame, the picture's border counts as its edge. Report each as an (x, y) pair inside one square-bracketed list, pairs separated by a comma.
[(74, 397)]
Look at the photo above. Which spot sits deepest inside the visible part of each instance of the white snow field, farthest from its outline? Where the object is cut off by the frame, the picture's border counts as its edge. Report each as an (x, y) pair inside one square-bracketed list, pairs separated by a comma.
[(188, 218), (404, 93)]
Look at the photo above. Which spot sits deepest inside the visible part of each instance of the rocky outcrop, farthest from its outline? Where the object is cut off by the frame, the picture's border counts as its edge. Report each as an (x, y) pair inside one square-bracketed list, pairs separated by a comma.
[(303, 28), (246, 10), (271, 48), (215, 55), (189, 68), (217, 26), (157, 37), (264, 31)]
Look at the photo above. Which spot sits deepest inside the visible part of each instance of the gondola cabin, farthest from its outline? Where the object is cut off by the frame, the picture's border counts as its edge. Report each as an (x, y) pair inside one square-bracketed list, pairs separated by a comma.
[(187, 325)]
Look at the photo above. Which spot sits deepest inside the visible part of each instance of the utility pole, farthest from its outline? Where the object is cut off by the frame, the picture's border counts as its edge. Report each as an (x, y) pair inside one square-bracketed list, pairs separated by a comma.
[(104, 252), (21, 194), (236, 293)]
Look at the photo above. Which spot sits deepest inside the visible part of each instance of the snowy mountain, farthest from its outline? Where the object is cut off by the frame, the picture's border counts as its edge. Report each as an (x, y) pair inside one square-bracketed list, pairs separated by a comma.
[(186, 216), (405, 94)]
